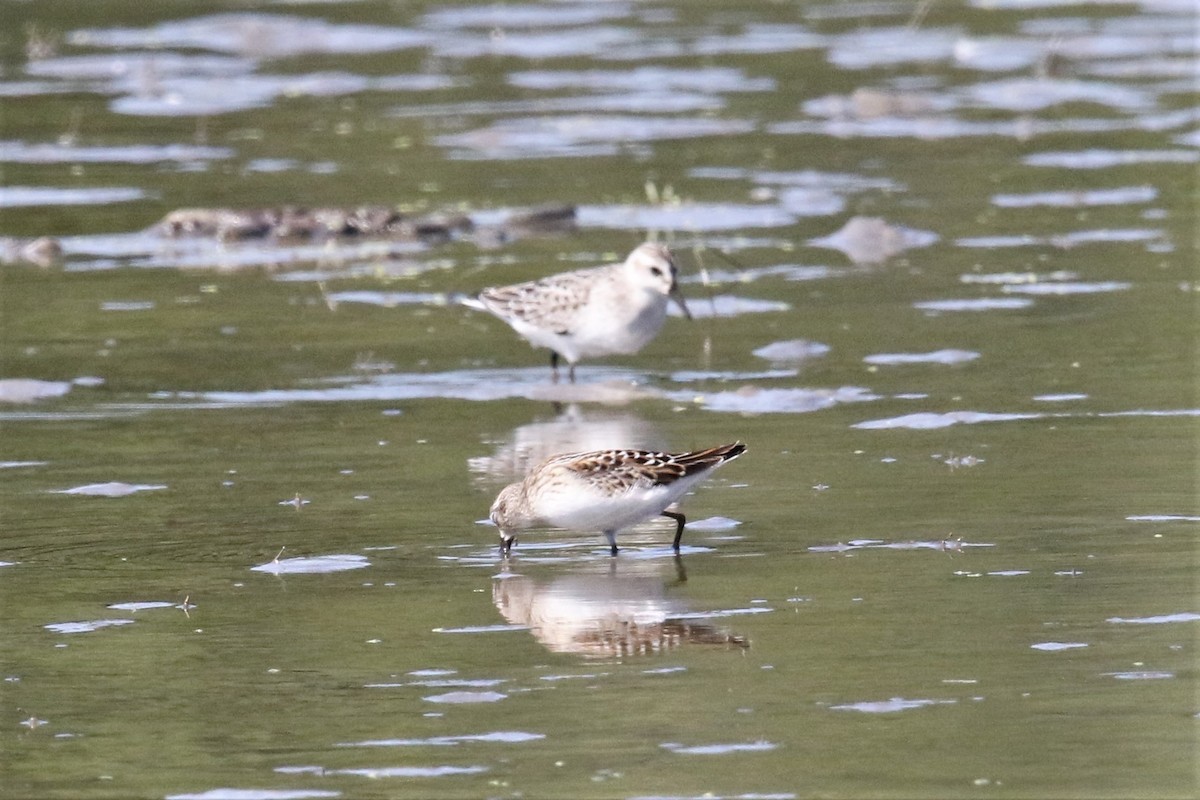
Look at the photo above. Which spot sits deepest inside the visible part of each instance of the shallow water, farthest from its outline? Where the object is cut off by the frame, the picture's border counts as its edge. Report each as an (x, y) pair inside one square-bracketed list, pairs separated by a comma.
[(943, 272)]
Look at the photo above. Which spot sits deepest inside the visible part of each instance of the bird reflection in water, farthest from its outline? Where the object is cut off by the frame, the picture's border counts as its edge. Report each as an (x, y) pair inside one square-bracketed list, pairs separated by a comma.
[(571, 431), (605, 615)]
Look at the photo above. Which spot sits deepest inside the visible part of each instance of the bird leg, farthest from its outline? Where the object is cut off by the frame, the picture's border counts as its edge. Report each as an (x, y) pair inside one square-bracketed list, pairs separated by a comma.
[(680, 572), (612, 540), (680, 521), (554, 369), (506, 545)]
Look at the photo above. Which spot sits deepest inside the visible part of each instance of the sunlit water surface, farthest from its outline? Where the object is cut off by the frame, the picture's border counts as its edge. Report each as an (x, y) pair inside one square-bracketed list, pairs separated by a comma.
[(941, 263)]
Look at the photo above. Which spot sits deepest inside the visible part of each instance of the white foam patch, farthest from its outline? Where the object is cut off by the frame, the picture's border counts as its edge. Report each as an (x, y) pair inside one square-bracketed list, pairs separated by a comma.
[(128, 305), (313, 564), (1163, 518), (86, 626), (576, 135), (755, 400), (725, 305), (57, 153), (444, 683), (503, 737), (490, 17), (1057, 646), (385, 772), (719, 749), (1141, 675), (390, 299), (713, 524), (932, 421), (1077, 287), (27, 390), (484, 628), (1037, 93), (1162, 619), (1080, 198), (889, 706), (975, 304), (693, 376), (141, 606), (943, 545), (792, 350), (25, 196), (685, 217), (111, 489), (255, 794), (1103, 159), (1064, 397), (463, 698), (1018, 277), (868, 48), (616, 386), (275, 36), (947, 356)]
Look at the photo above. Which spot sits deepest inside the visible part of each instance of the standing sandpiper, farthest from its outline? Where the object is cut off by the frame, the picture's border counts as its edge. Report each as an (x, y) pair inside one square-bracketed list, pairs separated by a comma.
[(600, 311)]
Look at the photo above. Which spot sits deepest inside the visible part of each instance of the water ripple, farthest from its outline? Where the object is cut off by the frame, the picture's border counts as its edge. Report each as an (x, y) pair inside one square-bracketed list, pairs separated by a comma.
[(1162, 619), (313, 565), (719, 749), (255, 794), (890, 706), (87, 626), (506, 737)]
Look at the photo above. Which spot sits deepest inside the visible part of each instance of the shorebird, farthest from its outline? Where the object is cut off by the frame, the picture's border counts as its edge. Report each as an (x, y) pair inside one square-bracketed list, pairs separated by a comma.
[(604, 490), (600, 311)]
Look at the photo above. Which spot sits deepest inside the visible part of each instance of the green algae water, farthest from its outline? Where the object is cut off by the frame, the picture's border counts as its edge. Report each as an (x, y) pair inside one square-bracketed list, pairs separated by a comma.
[(943, 272)]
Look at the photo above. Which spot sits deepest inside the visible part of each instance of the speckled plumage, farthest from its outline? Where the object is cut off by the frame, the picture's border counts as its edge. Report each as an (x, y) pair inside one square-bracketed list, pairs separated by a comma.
[(604, 490), (600, 311)]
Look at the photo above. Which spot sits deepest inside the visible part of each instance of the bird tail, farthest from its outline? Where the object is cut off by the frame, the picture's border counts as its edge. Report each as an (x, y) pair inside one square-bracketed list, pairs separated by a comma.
[(712, 456), (468, 300)]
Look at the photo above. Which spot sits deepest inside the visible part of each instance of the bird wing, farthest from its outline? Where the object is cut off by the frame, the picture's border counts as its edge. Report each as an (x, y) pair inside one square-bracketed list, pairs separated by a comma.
[(549, 303), (624, 469)]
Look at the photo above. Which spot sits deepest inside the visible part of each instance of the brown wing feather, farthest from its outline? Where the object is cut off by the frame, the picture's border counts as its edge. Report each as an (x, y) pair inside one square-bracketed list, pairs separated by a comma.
[(548, 303), (711, 456), (629, 467)]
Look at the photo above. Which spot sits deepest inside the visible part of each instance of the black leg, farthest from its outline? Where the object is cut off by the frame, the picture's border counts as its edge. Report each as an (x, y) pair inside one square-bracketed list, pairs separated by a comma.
[(554, 366), (612, 540), (680, 521), (571, 373)]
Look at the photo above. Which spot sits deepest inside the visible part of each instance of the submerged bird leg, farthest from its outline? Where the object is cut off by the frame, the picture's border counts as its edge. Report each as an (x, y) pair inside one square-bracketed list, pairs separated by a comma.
[(571, 373), (553, 366), (680, 521), (612, 540), (680, 572)]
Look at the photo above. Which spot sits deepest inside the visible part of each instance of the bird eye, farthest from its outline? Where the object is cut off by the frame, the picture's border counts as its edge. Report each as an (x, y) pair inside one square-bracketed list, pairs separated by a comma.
[(656, 272)]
